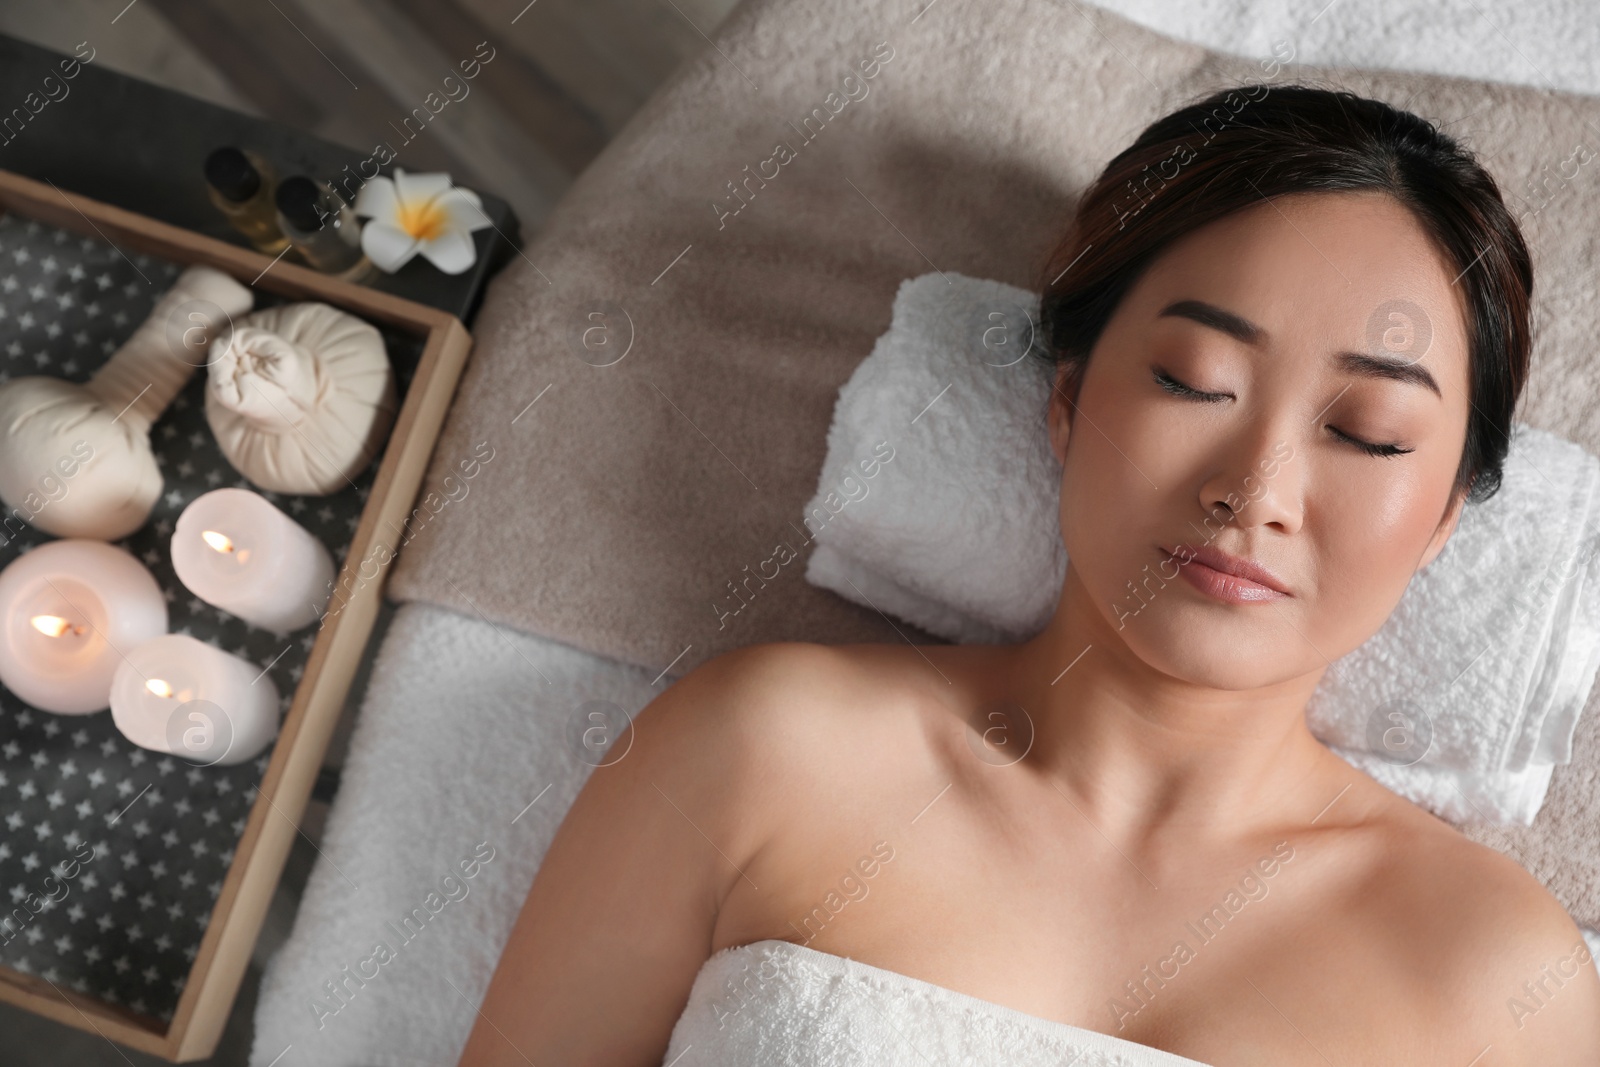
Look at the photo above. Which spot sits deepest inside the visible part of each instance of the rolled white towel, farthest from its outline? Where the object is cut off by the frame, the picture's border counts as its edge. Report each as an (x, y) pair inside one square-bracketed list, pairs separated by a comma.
[(1493, 647)]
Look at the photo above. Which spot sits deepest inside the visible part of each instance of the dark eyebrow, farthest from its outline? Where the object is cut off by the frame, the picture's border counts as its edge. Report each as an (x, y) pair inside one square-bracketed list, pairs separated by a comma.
[(1363, 364), (1398, 370), (1240, 329)]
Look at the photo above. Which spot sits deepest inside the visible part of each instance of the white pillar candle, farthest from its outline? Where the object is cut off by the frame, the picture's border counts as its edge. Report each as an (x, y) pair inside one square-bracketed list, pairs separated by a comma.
[(70, 611), (182, 696), (237, 552)]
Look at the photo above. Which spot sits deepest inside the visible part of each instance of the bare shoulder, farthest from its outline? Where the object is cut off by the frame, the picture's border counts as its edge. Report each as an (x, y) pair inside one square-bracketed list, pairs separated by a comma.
[(763, 699), (1504, 961), (777, 720)]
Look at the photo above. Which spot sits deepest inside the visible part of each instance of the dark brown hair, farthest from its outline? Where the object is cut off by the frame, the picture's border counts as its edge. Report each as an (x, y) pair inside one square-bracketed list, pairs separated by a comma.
[(1235, 148)]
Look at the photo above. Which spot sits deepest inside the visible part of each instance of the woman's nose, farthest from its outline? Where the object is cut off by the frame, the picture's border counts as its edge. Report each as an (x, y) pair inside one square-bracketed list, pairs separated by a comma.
[(1261, 488)]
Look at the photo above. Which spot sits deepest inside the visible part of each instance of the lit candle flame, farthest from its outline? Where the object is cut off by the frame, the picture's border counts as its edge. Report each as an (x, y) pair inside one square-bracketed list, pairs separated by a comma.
[(222, 543), (159, 687), (54, 625)]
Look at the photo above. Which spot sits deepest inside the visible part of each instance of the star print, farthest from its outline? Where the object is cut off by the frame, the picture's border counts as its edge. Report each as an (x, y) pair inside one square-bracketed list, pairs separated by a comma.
[(103, 281), (325, 513), (92, 308), (174, 498), (185, 469), (64, 301), (213, 476), (76, 272)]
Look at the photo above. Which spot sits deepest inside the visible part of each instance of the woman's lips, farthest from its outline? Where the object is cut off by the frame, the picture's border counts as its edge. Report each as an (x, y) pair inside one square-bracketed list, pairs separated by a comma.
[(1226, 587)]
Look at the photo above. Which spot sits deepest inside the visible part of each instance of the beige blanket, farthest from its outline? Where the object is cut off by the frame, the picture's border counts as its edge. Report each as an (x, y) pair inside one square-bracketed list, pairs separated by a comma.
[(655, 375)]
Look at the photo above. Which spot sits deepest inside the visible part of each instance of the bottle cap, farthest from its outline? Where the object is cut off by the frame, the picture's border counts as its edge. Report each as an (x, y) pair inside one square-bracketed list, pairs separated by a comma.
[(300, 201), (231, 174)]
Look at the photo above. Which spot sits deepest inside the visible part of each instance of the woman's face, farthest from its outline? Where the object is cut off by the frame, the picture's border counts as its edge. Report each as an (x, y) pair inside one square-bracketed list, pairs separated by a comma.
[(1254, 310)]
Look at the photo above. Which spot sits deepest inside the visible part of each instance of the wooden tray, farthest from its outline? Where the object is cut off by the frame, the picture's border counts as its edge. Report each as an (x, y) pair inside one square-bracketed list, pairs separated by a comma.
[(235, 922)]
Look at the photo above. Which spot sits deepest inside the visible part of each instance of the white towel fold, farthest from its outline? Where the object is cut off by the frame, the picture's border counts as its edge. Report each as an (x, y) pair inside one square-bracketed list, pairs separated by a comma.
[(1494, 646)]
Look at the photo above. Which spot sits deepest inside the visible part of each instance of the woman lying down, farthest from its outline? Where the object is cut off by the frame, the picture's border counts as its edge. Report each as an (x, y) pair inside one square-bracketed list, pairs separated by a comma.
[(890, 854)]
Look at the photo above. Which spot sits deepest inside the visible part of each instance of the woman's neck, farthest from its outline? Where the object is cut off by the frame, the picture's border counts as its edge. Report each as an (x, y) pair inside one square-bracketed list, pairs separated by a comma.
[(1142, 753)]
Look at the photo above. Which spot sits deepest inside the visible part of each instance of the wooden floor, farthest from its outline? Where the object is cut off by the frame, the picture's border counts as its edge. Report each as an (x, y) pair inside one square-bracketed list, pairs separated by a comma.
[(564, 78)]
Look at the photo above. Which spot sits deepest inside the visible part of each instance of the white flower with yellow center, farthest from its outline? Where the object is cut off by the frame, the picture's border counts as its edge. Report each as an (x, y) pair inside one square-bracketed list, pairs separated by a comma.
[(424, 213)]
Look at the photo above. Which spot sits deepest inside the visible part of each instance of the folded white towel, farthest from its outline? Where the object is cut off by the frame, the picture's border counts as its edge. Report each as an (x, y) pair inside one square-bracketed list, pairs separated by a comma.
[(1494, 645)]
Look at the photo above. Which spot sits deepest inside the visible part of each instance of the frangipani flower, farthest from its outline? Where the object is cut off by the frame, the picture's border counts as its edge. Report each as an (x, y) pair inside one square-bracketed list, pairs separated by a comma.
[(419, 213)]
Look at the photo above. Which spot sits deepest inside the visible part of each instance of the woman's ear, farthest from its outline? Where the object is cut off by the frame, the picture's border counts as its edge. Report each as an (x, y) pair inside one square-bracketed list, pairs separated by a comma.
[(1447, 526), (1063, 398)]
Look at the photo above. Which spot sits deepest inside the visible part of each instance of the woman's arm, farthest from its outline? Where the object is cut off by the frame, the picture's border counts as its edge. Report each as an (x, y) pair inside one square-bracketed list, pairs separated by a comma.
[(620, 915)]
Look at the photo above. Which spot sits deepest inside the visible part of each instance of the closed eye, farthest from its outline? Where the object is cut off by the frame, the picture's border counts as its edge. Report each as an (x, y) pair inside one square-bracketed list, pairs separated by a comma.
[(1177, 388), (1368, 447)]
